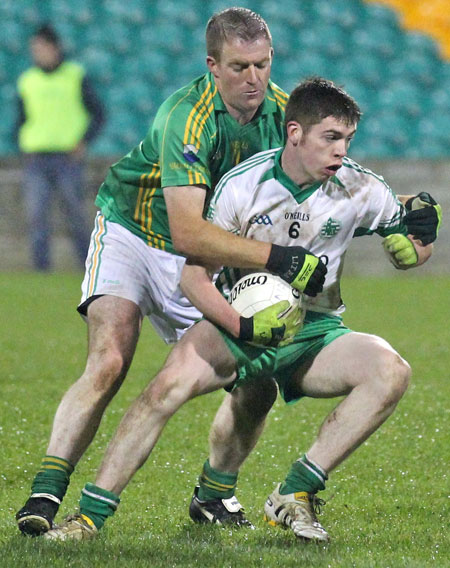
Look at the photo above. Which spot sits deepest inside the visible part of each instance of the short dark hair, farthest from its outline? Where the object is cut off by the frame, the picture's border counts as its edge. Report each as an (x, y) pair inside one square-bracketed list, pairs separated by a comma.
[(233, 23), (316, 98), (48, 34)]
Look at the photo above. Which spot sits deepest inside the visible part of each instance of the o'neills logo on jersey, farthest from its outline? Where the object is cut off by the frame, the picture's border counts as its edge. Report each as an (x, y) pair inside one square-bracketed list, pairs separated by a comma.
[(190, 153), (296, 216), (260, 220), (330, 228)]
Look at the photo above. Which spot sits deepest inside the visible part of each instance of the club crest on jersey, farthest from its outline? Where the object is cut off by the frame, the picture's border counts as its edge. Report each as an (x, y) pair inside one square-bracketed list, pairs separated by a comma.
[(330, 228), (190, 153), (260, 220)]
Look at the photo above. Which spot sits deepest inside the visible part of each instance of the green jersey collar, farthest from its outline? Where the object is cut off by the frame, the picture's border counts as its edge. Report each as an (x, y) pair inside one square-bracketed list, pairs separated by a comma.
[(219, 105), (270, 104), (281, 176)]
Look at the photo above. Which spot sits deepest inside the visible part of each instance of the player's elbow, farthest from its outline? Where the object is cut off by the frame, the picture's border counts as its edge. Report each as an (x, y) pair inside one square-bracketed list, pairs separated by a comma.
[(188, 238), (184, 243), (186, 286)]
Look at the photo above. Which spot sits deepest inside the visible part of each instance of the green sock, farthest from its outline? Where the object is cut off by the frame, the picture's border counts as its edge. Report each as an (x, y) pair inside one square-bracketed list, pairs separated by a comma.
[(215, 484), (305, 475), (53, 478), (98, 504)]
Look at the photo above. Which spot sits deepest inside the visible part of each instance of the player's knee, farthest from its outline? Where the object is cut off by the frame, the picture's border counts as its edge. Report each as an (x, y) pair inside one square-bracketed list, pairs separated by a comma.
[(107, 370), (403, 376), (167, 392), (395, 377)]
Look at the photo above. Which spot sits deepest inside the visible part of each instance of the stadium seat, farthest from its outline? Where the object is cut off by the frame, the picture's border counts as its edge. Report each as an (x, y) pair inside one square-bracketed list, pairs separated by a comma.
[(379, 15), (29, 13), (375, 147), (415, 69), (13, 36), (287, 72), (356, 89), (293, 13), (191, 15), (98, 63), (439, 100), (431, 17), (132, 12), (6, 64), (435, 125), (400, 95), (416, 42)]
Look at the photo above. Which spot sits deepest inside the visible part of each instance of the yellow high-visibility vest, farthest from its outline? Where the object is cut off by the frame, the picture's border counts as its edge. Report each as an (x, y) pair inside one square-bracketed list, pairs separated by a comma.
[(55, 117)]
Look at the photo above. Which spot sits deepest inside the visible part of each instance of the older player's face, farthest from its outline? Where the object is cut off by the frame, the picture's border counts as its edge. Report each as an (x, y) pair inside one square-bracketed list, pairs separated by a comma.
[(242, 75), (317, 154)]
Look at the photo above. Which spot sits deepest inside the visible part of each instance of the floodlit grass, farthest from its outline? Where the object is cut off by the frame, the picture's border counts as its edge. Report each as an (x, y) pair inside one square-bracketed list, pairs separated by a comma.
[(388, 504)]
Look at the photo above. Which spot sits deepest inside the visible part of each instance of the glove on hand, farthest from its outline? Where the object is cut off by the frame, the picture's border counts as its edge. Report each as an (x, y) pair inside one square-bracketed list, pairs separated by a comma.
[(299, 267), (424, 217), (273, 326), (400, 250)]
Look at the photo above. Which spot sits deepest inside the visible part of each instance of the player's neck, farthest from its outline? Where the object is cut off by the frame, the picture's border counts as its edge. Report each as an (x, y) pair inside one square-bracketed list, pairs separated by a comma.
[(240, 117), (293, 169)]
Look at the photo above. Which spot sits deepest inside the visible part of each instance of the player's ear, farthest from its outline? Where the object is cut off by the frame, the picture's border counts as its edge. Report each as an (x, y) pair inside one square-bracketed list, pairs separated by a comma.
[(212, 65), (294, 132)]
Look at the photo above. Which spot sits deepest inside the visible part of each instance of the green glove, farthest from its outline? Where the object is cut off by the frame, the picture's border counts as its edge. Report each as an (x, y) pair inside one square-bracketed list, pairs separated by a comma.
[(423, 218), (273, 326), (400, 250)]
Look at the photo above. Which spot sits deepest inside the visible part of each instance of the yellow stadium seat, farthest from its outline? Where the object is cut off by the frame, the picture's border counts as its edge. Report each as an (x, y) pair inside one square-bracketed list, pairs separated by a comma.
[(431, 17)]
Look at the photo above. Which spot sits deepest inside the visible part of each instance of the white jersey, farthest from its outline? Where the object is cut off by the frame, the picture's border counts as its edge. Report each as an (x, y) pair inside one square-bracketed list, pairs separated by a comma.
[(257, 200)]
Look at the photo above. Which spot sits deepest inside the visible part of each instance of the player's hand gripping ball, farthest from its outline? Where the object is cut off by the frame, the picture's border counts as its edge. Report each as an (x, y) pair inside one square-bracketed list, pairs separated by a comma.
[(271, 310)]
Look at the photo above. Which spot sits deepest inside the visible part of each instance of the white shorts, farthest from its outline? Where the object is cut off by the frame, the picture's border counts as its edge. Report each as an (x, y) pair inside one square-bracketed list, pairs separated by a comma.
[(121, 264)]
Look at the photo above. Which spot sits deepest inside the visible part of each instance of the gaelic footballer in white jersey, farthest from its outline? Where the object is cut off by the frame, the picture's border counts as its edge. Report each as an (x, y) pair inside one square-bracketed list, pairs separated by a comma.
[(257, 200)]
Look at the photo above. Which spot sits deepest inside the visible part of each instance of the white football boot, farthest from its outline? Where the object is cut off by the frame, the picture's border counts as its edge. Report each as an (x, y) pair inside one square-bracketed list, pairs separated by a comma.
[(296, 511)]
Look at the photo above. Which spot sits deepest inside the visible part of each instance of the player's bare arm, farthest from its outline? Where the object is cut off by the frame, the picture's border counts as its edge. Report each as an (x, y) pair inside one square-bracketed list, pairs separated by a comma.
[(198, 287), (404, 198), (423, 252), (193, 236)]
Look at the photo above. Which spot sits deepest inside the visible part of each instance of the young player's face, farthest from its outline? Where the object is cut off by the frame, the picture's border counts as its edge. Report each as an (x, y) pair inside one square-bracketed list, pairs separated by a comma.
[(242, 75), (320, 151)]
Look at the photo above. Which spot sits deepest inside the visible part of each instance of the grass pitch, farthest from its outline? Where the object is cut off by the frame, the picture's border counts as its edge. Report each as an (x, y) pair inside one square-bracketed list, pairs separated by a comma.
[(388, 504)]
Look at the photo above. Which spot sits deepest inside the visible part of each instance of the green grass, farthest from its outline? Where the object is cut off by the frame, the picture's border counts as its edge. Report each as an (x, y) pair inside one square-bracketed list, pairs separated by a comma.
[(387, 504)]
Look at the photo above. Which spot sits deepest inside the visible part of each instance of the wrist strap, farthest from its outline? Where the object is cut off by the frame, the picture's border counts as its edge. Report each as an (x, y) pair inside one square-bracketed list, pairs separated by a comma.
[(246, 328), (276, 259)]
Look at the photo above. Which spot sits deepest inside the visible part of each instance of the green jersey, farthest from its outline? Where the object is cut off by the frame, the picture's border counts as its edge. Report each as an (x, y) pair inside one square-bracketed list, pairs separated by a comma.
[(193, 141)]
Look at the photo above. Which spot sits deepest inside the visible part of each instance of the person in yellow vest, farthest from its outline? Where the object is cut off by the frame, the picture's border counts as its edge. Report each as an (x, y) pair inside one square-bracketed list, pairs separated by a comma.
[(58, 115)]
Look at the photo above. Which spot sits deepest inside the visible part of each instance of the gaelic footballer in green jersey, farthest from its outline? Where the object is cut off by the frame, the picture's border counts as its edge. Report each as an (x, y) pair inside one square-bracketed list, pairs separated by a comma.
[(131, 271), (193, 141)]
